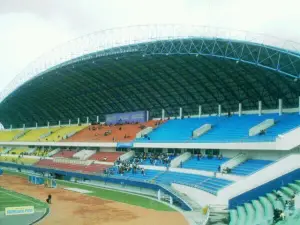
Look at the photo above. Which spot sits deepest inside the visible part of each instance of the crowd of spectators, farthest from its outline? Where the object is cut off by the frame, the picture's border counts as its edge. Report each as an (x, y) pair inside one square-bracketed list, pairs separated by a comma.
[(154, 158)]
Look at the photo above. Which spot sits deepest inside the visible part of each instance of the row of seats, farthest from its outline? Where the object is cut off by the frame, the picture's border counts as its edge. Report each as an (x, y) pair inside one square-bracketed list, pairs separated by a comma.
[(26, 161), (224, 129), (204, 163), (36, 134), (18, 151), (147, 176), (250, 166), (65, 154), (106, 156), (261, 210), (116, 133), (208, 184), (93, 168)]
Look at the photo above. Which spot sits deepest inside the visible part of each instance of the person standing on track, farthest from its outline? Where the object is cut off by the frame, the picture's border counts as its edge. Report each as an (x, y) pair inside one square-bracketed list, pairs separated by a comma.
[(48, 200)]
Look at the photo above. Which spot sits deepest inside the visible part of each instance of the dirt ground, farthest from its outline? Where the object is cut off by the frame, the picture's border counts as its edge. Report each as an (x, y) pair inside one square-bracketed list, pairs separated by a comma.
[(74, 208)]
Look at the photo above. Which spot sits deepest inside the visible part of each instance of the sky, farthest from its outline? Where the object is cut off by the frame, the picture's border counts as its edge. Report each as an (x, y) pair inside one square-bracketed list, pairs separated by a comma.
[(30, 28)]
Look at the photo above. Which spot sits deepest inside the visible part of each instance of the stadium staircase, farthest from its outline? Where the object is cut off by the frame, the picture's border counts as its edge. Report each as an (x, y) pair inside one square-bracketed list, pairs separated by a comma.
[(235, 161)]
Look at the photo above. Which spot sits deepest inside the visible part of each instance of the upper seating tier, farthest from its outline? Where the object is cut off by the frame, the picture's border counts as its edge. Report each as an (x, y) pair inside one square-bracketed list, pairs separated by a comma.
[(8, 135), (62, 132), (224, 129), (116, 133), (35, 134)]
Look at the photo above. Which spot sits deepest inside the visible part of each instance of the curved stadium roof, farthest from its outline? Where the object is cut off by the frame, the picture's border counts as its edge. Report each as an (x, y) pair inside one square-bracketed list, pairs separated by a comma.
[(168, 67)]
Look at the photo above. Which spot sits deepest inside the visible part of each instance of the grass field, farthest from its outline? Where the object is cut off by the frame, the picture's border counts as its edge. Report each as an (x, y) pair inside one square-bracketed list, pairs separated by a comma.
[(12, 199), (111, 195)]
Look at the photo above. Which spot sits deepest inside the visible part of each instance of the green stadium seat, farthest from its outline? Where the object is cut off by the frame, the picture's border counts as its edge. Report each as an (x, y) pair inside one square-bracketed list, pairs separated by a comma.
[(285, 197), (276, 204), (250, 214), (233, 217), (259, 212), (295, 187), (288, 191), (268, 208), (241, 215)]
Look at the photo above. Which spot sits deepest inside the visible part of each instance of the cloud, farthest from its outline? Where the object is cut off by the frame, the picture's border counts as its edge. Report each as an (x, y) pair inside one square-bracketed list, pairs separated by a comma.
[(30, 28)]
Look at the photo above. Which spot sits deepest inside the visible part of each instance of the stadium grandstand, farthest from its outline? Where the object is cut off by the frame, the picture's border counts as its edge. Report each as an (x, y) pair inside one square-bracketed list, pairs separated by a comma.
[(212, 121)]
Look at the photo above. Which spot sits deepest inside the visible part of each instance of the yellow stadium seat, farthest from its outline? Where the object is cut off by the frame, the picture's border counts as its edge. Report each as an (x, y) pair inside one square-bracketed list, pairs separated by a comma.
[(7, 135), (18, 151), (35, 134), (63, 131), (22, 160), (40, 152)]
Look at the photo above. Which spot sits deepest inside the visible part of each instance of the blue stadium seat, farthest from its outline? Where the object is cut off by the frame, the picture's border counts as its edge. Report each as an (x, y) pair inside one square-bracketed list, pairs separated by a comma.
[(224, 129), (204, 163), (250, 166), (208, 184), (178, 130)]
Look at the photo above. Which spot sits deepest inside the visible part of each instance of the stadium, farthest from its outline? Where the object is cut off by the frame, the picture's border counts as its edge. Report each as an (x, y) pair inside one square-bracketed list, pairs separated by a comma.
[(165, 124)]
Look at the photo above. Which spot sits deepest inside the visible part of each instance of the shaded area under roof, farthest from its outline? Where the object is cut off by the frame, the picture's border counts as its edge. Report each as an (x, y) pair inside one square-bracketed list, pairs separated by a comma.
[(157, 75)]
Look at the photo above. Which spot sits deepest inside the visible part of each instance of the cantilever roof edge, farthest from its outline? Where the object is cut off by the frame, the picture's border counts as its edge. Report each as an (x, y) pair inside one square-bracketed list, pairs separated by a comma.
[(83, 47)]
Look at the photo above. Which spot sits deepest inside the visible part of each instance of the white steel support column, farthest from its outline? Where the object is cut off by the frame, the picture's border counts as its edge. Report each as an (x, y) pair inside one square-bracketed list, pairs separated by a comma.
[(69, 122), (78, 121), (162, 114), (48, 124), (240, 109), (87, 120), (259, 108), (36, 125), (280, 107), (58, 123), (24, 126), (180, 112), (147, 115), (11, 127), (200, 111), (97, 119), (219, 110)]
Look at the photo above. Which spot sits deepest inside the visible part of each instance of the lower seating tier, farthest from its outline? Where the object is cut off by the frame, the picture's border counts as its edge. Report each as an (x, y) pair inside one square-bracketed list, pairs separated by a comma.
[(93, 168), (250, 166), (262, 209)]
